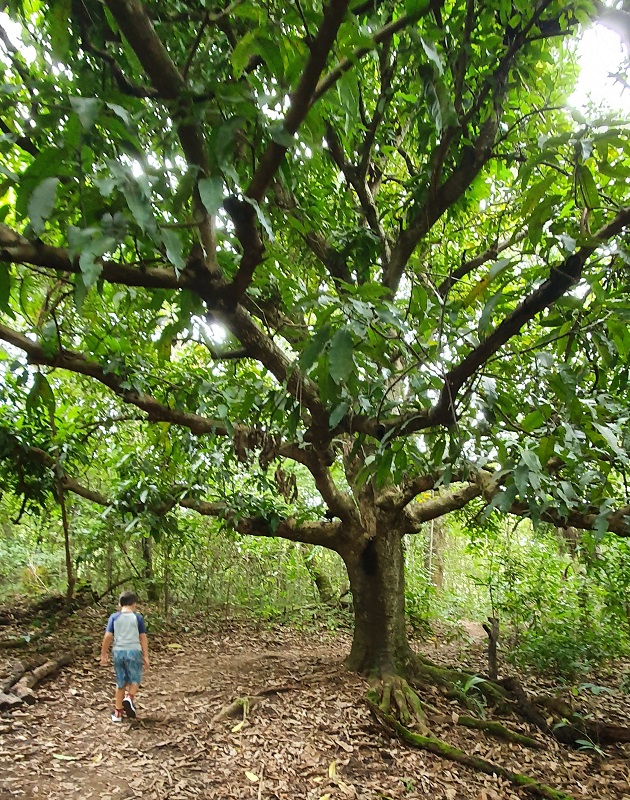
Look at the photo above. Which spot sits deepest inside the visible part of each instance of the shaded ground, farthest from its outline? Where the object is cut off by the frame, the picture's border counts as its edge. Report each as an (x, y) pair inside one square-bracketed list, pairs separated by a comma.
[(313, 738)]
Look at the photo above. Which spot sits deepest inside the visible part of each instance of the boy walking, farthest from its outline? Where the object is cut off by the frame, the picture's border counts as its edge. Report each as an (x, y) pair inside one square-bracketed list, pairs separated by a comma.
[(126, 630)]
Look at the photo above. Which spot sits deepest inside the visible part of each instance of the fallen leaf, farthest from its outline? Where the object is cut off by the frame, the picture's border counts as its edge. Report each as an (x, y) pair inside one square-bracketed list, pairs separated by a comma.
[(251, 776)]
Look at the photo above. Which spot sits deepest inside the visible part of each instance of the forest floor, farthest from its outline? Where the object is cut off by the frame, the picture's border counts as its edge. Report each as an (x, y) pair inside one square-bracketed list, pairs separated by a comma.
[(311, 737)]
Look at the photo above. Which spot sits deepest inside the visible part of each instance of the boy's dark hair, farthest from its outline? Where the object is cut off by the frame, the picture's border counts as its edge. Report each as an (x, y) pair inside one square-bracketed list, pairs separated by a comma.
[(127, 599)]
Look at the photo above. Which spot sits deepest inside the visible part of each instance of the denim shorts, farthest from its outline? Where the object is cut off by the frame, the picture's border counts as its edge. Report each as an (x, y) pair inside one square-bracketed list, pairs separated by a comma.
[(128, 666)]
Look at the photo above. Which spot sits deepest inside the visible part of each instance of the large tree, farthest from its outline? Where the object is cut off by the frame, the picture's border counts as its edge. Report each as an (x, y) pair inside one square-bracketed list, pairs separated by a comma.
[(365, 238)]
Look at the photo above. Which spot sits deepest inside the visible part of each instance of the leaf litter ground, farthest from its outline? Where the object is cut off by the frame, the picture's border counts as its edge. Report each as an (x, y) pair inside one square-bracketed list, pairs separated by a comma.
[(310, 736)]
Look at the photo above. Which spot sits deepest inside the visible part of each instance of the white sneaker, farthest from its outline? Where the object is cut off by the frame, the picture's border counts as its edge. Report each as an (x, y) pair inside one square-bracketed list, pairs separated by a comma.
[(129, 707), (117, 715)]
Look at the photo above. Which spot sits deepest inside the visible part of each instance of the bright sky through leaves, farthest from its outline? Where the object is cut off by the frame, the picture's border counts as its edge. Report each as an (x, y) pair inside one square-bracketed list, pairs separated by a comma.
[(601, 55)]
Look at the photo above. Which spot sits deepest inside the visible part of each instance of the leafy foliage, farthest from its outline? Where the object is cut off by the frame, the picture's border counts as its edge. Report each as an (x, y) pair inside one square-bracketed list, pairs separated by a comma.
[(320, 272)]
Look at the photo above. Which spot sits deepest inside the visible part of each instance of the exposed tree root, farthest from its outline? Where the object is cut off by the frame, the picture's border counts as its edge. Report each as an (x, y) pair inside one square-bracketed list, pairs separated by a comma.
[(239, 707), (508, 696), (446, 750), (455, 681), (500, 731), (570, 726), (243, 705), (397, 695)]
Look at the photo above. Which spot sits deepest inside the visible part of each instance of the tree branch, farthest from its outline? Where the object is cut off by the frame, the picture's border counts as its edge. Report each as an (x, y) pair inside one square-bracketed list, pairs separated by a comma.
[(339, 503), (23, 142), (397, 498), (244, 218), (473, 158), (560, 280), (385, 97), (302, 98), (322, 533), (136, 26), (16, 249), (261, 347), (332, 259), (74, 362), (469, 266), (363, 193), (443, 195), (443, 504), (618, 522), (386, 32)]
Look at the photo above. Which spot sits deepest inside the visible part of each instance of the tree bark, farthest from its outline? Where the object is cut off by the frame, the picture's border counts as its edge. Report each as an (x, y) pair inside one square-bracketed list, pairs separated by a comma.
[(316, 569), (434, 553), (153, 594), (377, 580)]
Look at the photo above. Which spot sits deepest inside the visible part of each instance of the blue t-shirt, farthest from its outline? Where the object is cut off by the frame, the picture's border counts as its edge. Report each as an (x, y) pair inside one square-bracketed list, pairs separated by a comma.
[(126, 627)]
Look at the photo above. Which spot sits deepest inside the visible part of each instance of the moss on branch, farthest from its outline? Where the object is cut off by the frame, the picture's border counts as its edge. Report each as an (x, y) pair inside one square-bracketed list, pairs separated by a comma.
[(445, 750)]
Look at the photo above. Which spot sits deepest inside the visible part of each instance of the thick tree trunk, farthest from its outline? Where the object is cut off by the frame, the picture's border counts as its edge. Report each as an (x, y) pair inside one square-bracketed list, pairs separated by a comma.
[(377, 581)]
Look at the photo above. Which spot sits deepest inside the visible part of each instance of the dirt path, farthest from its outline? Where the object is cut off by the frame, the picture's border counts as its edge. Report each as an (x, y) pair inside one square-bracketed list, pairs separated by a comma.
[(313, 739)]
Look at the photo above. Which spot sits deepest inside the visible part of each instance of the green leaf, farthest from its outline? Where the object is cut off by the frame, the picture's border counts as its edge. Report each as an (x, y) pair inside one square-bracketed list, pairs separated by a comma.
[(533, 420), (58, 19), (40, 392), (5, 287), (80, 292), (49, 163), (486, 314), (281, 136), (313, 348), (185, 188), (432, 55), (589, 187), (46, 393), (261, 217), (120, 112), (41, 203), (243, 51), (87, 109), (341, 359), (338, 414), (140, 207), (90, 244), (173, 245), (536, 192), (413, 7), (211, 193), (611, 438), (90, 268)]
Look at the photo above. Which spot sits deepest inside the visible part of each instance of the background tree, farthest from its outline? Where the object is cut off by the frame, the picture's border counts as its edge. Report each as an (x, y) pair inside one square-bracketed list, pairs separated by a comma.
[(364, 244)]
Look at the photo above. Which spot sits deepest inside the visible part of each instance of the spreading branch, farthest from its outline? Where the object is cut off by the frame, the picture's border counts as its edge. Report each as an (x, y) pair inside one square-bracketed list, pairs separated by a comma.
[(137, 28), (16, 249), (560, 280), (301, 99), (443, 194), (79, 364), (382, 35), (467, 267)]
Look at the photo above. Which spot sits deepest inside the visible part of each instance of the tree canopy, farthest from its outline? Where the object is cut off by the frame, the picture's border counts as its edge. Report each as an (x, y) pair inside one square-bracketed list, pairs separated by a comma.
[(323, 271)]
